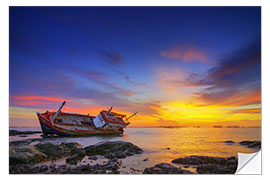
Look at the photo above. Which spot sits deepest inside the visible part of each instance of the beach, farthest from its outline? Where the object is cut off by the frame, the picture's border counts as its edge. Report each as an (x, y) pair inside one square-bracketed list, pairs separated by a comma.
[(192, 147)]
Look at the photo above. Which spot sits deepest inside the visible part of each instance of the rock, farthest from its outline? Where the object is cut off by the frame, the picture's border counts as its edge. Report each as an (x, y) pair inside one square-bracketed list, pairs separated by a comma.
[(76, 154), (231, 162), (111, 167), (19, 143), (113, 149), (121, 155), (77, 151), (229, 142), (191, 160), (255, 144), (210, 165), (168, 148), (231, 158), (52, 151), (132, 169), (206, 169), (19, 169), (92, 158), (110, 155), (43, 168), (71, 145), (146, 159), (251, 144), (56, 151), (23, 153), (74, 159), (165, 168), (216, 169), (113, 164), (84, 168), (62, 169), (15, 132), (115, 172)]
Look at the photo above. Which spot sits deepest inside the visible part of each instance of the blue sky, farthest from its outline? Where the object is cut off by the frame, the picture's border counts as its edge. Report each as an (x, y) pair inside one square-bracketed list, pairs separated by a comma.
[(132, 57)]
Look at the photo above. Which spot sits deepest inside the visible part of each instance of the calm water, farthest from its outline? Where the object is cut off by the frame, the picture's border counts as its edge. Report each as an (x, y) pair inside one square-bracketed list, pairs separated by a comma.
[(180, 141)]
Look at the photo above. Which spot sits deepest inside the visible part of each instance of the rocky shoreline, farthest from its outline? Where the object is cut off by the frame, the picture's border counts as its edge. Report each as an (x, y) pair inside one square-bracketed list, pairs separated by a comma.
[(248, 144), (25, 158), (251, 144), (108, 157), (210, 165)]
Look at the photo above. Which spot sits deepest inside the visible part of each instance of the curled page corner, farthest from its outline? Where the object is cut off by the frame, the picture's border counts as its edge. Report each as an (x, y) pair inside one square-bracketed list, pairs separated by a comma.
[(249, 163)]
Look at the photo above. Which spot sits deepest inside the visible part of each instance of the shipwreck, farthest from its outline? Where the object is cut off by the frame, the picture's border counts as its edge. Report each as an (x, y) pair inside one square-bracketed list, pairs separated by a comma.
[(73, 124)]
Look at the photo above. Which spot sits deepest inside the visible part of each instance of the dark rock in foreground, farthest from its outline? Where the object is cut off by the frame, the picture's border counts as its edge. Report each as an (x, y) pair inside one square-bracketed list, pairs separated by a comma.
[(24, 157), (19, 143), (93, 158), (76, 153), (251, 144), (113, 164), (15, 132), (113, 149), (165, 168), (111, 167), (216, 169), (23, 153), (210, 165), (56, 151)]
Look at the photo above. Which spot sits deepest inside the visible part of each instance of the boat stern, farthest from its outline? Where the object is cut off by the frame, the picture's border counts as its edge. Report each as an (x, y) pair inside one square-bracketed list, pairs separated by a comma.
[(44, 124)]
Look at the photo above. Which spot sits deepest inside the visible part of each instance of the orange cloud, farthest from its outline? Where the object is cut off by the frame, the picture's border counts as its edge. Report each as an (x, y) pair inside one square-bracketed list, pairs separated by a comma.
[(171, 80), (185, 53), (247, 111), (237, 99), (34, 100), (37, 98), (127, 92), (249, 98), (92, 110), (193, 54)]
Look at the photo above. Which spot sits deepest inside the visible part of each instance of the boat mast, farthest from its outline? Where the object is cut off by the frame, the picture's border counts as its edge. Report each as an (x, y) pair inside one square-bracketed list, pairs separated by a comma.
[(56, 114), (108, 112), (131, 116)]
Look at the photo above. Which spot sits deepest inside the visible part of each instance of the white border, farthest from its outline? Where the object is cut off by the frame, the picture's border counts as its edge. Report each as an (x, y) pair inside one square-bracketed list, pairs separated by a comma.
[(5, 71)]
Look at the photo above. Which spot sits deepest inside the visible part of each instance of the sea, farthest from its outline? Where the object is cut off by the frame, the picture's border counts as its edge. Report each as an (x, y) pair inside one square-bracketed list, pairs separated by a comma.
[(162, 145)]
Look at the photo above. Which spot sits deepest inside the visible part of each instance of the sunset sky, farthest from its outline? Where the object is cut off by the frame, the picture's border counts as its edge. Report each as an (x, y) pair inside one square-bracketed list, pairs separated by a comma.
[(176, 66)]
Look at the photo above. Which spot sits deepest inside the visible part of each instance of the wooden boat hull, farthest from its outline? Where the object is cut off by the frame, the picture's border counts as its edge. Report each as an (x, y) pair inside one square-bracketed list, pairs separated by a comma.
[(48, 127)]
